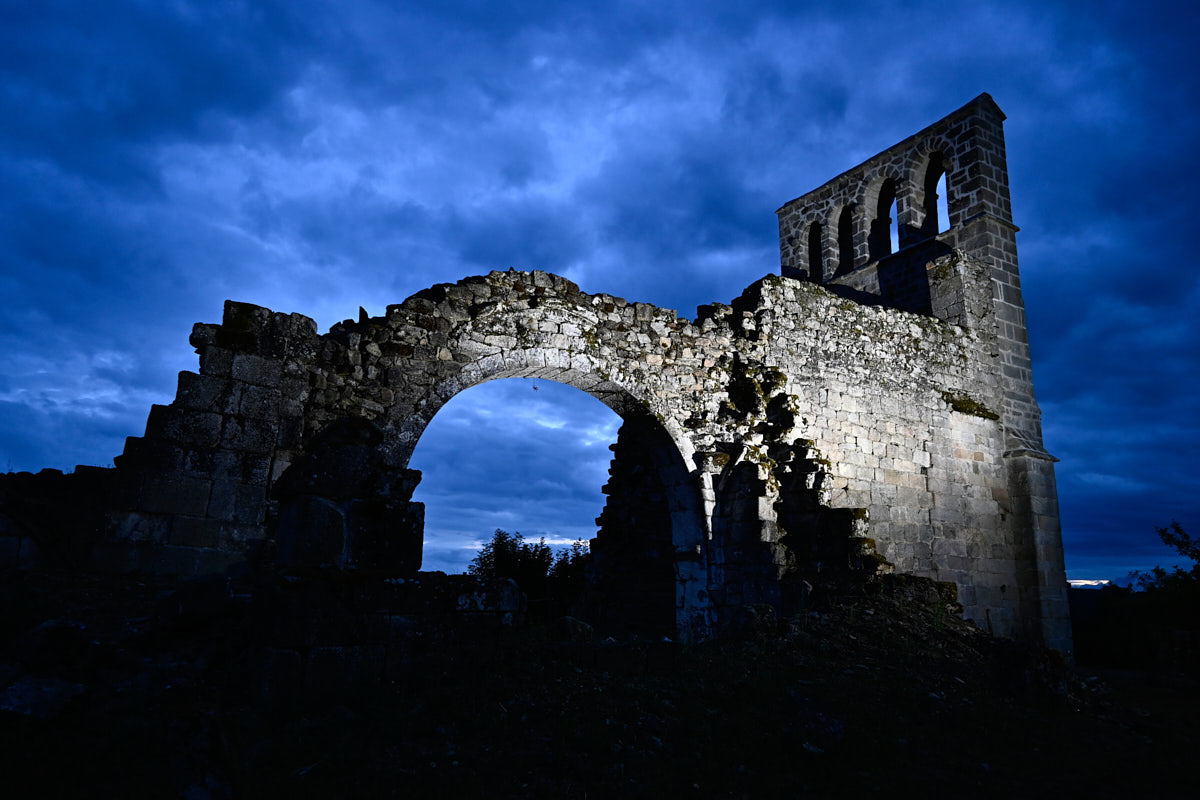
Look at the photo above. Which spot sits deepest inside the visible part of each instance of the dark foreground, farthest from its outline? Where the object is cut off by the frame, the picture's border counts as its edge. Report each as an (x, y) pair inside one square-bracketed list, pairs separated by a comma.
[(885, 692)]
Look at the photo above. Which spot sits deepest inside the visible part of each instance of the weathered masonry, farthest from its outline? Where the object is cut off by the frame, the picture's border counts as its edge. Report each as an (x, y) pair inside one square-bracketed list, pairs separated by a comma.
[(867, 407)]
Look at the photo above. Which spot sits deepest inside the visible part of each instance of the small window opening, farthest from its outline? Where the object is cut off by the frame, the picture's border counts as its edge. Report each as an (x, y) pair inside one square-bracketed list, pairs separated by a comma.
[(943, 205), (894, 227), (936, 207), (816, 254), (884, 239), (845, 237)]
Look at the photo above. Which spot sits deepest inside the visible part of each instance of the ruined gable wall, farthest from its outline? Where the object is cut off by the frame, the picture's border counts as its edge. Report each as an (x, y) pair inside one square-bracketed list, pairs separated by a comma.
[(969, 147), (851, 215)]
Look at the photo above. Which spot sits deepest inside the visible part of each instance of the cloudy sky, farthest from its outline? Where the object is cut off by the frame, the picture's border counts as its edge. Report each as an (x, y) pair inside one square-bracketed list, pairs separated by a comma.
[(157, 158)]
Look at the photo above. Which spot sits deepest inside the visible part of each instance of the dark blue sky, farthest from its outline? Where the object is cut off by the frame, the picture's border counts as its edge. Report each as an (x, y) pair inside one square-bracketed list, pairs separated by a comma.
[(158, 158)]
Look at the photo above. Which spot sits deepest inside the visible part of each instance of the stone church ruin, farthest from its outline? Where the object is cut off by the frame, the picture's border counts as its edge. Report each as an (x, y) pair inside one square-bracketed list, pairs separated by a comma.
[(865, 410)]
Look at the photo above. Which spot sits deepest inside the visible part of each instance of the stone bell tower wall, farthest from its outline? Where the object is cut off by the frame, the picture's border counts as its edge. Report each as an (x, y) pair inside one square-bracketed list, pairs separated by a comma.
[(840, 235)]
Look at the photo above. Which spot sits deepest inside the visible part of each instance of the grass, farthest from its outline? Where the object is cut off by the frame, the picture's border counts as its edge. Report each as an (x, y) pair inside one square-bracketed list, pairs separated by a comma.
[(887, 691)]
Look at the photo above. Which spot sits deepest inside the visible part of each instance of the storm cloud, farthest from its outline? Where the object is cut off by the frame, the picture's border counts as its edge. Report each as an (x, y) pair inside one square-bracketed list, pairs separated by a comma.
[(157, 159)]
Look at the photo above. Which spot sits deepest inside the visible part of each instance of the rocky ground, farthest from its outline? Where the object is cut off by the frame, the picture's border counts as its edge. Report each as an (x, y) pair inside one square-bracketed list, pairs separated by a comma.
[(106, 690)]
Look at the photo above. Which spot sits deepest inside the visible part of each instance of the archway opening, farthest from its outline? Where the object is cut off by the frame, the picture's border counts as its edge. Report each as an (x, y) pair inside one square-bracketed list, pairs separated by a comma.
[(943, 204), (884, 234), (520, 455), (816, 253), (545, 459), (936, 209), (845, 240), (894, 227)]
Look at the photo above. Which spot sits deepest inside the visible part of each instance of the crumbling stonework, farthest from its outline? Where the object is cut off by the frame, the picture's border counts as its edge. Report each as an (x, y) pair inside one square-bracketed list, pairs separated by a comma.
[(52, 517), (870, 412)]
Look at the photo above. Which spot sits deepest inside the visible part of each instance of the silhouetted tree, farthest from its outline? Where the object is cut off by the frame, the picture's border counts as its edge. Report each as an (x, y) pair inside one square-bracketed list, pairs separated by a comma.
[(1178, 580), (571, 564), (540, 574), (508, 555)]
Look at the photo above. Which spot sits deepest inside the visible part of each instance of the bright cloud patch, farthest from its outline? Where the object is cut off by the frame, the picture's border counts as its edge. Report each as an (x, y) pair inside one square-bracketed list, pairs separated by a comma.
[(158, 159)]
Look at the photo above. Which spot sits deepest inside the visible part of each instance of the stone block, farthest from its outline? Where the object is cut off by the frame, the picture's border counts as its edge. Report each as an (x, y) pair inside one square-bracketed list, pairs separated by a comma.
[(250, 504), (126, 490), (207, 393), (203, 335), (258, 402), (248, 435), (175, 494), (18, 552), (183, 426), (157, 456), (311, 532), (216, 361), (257, 370), (222, 502), (226, 465), (200, 462), (195, 532), (242, 539)]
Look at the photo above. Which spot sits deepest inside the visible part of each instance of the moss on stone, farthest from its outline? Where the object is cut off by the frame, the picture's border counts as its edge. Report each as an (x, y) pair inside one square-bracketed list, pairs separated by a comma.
[(965, 404), (942, 268), (947, 592)]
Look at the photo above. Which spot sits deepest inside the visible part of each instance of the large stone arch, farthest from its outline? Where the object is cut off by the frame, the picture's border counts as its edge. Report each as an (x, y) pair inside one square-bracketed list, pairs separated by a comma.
[(564, 365), (670, 455), (559, 334), (303, 440)]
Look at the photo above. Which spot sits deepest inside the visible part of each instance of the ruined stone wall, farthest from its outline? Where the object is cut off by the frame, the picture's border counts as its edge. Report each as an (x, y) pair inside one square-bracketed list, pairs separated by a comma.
[(787, 367), (769, 422), (836, 235), (902, 407), (632, 581), (51, 519)]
